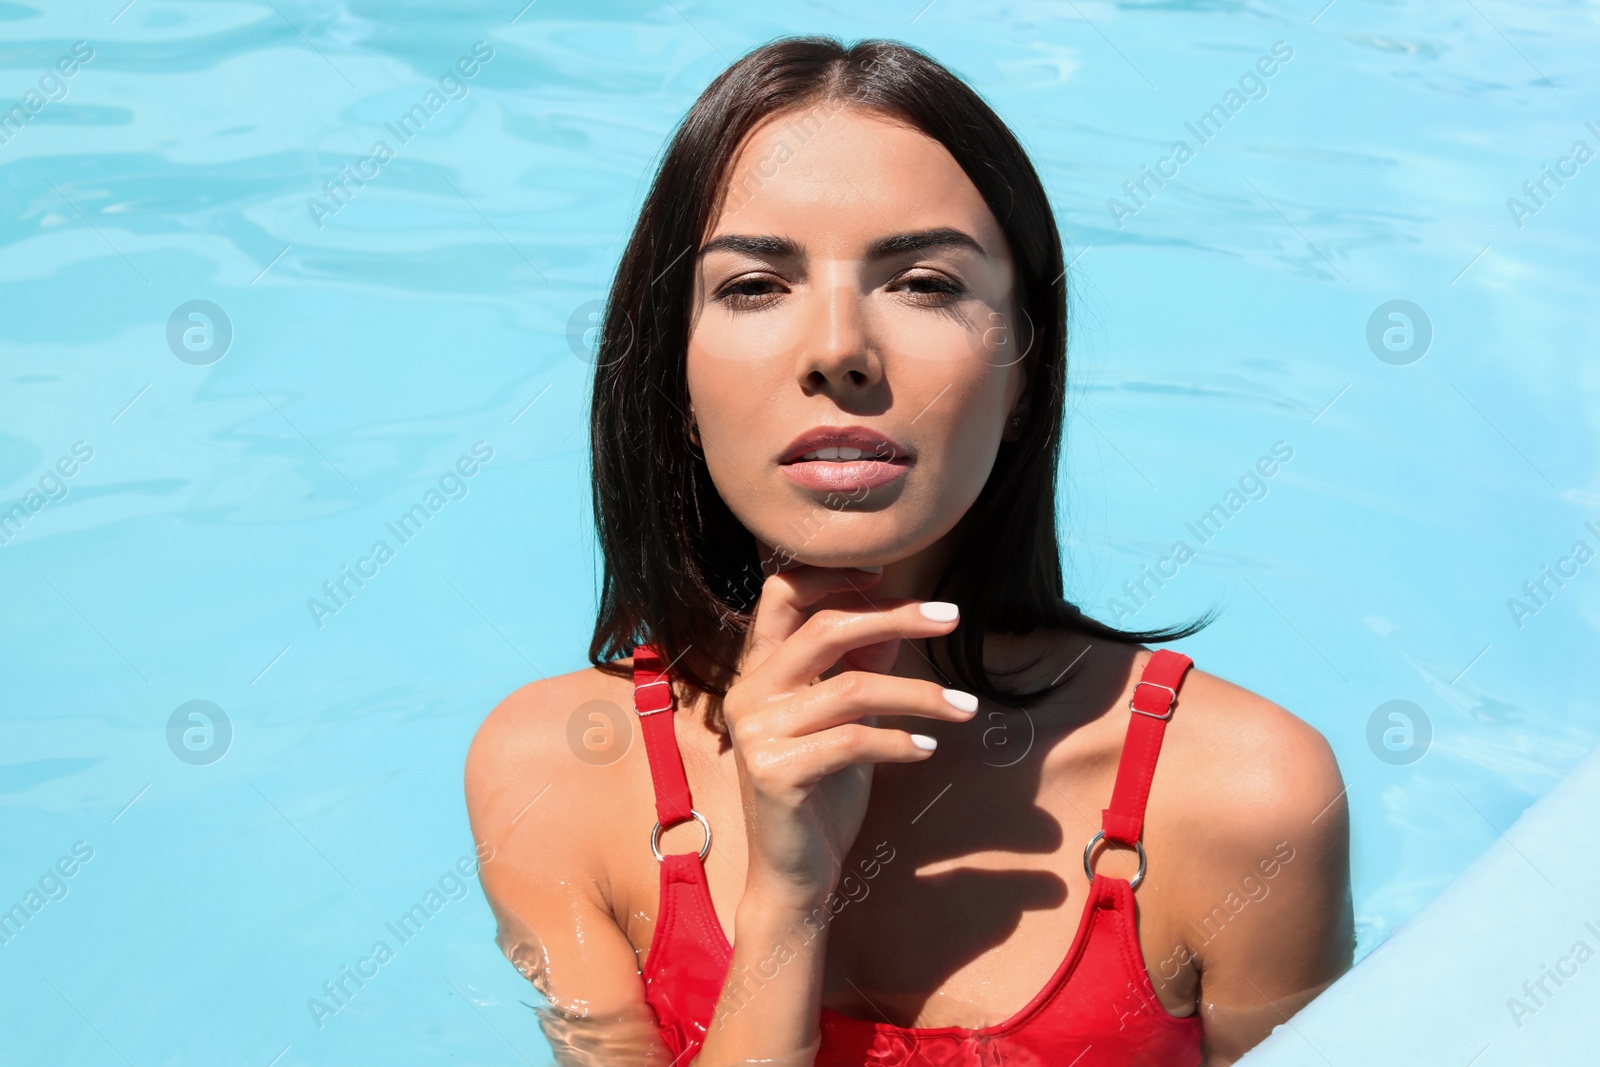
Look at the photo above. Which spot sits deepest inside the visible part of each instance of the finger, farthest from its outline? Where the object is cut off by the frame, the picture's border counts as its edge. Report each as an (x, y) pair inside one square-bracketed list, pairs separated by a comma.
[(785, 600), (854, 743), (827, 636), (879, 657), (859, 695)]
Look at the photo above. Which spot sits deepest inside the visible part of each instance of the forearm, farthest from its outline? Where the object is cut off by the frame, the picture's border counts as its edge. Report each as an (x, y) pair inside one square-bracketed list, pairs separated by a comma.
[(771, 1002)]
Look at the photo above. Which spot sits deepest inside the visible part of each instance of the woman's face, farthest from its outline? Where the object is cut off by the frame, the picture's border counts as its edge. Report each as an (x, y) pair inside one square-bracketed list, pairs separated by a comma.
[(853, 281)]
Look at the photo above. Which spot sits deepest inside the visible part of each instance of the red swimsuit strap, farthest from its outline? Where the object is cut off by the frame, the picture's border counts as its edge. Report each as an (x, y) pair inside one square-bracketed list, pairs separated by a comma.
[(1153, 695), (653, 700), (1123, 821)]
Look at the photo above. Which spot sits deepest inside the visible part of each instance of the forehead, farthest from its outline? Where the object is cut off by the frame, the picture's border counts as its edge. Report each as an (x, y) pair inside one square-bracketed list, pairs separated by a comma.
[(834, 177)]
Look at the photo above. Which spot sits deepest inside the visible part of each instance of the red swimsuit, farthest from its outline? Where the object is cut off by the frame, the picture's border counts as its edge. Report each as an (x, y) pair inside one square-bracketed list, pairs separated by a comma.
[(1099, 1009)]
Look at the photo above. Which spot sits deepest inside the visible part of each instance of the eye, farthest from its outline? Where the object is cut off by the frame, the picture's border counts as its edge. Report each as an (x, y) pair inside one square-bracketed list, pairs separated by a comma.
[(748, 294), (934, 290)]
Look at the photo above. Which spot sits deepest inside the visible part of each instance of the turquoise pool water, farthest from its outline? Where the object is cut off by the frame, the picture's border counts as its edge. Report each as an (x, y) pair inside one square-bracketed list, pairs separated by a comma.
[(188, 484)]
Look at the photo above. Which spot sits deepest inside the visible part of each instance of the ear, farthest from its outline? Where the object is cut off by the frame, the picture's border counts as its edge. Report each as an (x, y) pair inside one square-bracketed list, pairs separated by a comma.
[(1017, 417), (1016, 420)]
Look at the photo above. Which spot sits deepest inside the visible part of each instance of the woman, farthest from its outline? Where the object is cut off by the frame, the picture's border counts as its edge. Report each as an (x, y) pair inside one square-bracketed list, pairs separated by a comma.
[(826, 415)]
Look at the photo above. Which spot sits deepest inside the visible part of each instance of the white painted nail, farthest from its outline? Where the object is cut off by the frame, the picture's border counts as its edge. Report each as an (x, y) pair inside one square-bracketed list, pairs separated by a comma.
[(924, 742), (962, 700), (940, 611)]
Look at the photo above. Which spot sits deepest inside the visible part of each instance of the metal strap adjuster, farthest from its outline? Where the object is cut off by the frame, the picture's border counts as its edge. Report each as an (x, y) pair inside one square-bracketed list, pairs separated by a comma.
[(1133, 883), (655, 838), (647, 685), (1151, 714)]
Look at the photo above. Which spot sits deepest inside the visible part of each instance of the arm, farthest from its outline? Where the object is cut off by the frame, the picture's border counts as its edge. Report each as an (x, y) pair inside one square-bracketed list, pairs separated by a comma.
[(559, 931), (1287, 867), (553, 922), (773, 995), (805, 752)]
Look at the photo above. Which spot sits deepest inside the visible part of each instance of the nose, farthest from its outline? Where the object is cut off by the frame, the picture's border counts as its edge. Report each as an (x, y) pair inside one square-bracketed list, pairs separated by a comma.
[(839, 352)]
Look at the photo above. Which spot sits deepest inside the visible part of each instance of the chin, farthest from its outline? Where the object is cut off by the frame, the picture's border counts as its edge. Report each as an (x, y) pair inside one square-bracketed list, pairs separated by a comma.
[(791, 558), (861, 543), (794, 544)]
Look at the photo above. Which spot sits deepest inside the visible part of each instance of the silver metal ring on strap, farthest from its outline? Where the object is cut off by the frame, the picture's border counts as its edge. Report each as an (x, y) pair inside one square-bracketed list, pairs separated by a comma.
[(655, 838), (1133, 883)]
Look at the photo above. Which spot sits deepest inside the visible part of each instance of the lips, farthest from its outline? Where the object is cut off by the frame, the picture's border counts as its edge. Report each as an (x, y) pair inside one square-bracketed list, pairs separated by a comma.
[(873, 446), (844, 458)]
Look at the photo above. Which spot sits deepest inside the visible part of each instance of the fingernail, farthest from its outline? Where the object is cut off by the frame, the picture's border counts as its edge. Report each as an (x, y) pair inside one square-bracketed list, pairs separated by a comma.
[(871, 570), (940, 611), (924, 742), (962, 700)]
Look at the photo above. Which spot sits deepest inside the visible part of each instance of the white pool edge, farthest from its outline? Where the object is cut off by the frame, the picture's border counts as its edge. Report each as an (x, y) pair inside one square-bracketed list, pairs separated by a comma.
[(1503, 967)]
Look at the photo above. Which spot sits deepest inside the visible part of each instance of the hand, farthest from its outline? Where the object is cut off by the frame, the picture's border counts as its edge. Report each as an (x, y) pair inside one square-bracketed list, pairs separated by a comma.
[(805, 746)]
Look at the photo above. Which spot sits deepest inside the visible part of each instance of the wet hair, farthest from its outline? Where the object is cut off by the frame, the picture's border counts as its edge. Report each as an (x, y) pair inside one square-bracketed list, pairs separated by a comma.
[(680, 571)]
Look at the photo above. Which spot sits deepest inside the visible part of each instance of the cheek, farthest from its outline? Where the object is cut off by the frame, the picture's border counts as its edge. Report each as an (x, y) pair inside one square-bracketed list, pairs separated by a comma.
[(966, 420), (956, 345), (733, 390), (728, 355), (731, 385)]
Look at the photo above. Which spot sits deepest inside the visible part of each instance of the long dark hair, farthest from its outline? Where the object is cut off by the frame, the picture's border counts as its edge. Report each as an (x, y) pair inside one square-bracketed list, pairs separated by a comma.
[(680, 571)]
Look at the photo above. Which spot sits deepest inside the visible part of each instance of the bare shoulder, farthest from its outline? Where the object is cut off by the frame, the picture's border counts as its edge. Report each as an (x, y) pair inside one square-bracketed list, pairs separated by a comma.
[(1257, 841), (531, 794), (1250, 768), (1259, 790), (530, 720), (542, 807)]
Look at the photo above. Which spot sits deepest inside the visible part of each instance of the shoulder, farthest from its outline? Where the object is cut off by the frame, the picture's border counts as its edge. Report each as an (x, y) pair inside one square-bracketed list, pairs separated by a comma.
[(1258, 793), (536, 773), (545, 795), (1255, 767), (531, 719), (1256, 836), (520, 729)]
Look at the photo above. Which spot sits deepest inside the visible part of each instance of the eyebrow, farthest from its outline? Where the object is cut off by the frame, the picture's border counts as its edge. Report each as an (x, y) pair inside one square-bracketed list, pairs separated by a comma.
[(882, 248)]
